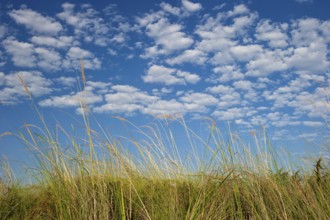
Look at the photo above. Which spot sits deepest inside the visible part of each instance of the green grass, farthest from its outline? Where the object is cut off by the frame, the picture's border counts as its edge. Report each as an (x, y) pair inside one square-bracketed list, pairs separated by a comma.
[(97, 177), (82, 183)]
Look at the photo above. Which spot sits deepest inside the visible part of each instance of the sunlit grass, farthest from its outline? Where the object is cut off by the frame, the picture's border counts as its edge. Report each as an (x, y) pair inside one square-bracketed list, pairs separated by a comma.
[(96, 176)]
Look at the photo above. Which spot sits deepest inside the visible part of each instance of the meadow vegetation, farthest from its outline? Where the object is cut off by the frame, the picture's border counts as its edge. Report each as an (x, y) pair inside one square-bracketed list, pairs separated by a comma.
[(96, 177)]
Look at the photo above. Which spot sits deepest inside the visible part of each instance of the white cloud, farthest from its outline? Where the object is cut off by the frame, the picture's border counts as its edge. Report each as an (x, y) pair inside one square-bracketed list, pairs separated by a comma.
[(169, 76), (312, 123), (238, 10), (274, 116), (312, 58), (212, 42), (125, 88), (188, 77), (222, 58), (168, 37), (66, 81), (48, 59), (229, 114), (305, 31), (77, 99), (246, 52), (227, 73), (197, 102), (228, 100), (149, 18), (243, 85), (267, 63), (88, 24), (314, 104), (286, 120), (58, 42), (36, 22), (13, 90), (27, 55), (189, 56), (130, 100), (325, 30), (241, 24), (170, 9), (167, 107), (76, 54), (220, 89), (274, 34), (217, 35), (227, 96), (22, 53), (190, 6), (102, 87), (161, 92), (126, 99), (136, 97)]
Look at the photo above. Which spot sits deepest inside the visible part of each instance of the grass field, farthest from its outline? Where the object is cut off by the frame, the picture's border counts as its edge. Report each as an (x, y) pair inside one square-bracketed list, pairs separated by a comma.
[(157, 184), (96, 177)]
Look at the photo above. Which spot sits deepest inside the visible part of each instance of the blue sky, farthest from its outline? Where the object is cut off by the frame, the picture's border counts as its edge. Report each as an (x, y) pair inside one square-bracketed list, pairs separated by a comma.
[(243, 63)]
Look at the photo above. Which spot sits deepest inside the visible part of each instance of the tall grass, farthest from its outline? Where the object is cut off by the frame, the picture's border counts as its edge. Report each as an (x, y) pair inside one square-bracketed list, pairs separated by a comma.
[(97, 177)]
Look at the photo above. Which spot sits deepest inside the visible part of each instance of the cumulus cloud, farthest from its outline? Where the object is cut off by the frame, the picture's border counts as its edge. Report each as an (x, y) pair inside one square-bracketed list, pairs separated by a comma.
[(190, 6), (274, 34), (36, 22), (238, 10), (312, 123), (267, 63), (82, 20), (56, 42), (227, 96), (246, 52), (313, 104), (81, 98), (220, 89), (304, 31), (131, 100), (312, 58), (167, 107), (170, 9), (226, 73), (189, 56), (229, 114), (48, 59), (22, 53), (125, 99), (90, 26), (168, 37), (197, 102), (169, 76), (66, 81), (28, 55), (76, 54), (243, 85), (13, 92)]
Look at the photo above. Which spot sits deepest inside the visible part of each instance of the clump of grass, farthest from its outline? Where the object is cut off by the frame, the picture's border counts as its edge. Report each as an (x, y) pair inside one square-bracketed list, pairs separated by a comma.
[(97, 177)]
